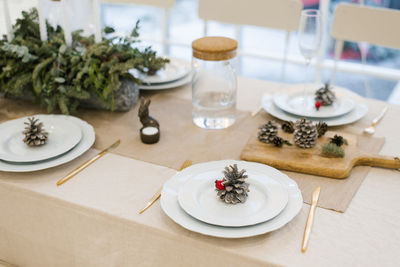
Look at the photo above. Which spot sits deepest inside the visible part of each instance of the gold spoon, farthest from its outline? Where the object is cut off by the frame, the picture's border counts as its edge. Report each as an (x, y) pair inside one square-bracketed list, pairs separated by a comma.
[(371, 129)]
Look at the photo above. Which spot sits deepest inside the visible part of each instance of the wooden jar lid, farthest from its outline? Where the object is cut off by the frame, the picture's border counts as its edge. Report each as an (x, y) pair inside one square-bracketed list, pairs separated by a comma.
[(214, 48)]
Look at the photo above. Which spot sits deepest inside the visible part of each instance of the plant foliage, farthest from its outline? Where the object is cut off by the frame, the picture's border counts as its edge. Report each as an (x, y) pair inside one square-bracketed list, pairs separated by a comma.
[(60, 76)]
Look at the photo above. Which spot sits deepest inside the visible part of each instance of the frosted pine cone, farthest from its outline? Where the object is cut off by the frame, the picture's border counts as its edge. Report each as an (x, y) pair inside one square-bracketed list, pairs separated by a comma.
[(34, 133), (232, 188), (322, 127), (325, 96), (267, 132), (305, 134)]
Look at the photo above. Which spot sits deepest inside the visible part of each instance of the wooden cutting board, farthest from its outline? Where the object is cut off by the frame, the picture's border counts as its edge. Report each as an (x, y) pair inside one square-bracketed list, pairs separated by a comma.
[(311, 161)]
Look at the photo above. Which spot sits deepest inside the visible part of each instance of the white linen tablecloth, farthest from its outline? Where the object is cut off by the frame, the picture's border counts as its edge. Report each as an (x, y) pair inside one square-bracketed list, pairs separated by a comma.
[(93, 220)]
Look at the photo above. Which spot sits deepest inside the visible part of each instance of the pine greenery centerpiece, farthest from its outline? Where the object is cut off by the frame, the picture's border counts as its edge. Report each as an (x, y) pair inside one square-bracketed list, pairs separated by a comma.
[(62, 77)]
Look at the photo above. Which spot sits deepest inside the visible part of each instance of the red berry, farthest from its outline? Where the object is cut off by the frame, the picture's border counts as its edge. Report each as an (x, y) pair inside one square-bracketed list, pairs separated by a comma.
[(317, 105), (219, 185)]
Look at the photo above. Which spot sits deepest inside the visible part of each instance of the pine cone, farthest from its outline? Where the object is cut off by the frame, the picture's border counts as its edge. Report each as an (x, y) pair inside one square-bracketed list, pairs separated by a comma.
[(337, 140), (288, 127), (325, 96), (278, 141), (322, 128), (235, 188), (34, 133), (305, 134), (267, 132)]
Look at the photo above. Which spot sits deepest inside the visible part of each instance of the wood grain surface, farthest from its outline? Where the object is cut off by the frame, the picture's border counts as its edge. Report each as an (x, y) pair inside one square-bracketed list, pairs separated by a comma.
[(311, 161)]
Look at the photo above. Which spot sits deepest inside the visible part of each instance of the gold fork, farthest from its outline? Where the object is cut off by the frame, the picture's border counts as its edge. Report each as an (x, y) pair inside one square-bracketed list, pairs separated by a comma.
[(157, 195)]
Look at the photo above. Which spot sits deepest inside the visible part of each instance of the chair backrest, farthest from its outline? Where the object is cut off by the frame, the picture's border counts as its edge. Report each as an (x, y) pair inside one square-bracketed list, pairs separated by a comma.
[(359, 23), (156, 3), (277, 14), (379, 26)]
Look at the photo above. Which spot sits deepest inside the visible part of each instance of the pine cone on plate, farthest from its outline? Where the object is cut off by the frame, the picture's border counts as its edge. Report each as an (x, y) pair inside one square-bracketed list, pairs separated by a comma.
[(35, 135), (232, 188), (288, 127), (325, 96), (267, 132), (305, 134), (322, 128)]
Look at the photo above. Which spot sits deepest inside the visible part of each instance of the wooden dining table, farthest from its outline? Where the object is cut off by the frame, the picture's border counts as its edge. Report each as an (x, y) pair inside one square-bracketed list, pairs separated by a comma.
[(93, 219)]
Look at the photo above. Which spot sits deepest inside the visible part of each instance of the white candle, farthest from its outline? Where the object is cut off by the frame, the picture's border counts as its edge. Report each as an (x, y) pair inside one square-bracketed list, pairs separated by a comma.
[(42, 22), (66, 28), (150, 130), (96, 20), (10, 34)]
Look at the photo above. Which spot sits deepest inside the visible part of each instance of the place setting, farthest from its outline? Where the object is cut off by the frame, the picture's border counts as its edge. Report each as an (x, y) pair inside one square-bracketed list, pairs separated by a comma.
[(175, 73), (40, 141), (231, 199), (330, 104)]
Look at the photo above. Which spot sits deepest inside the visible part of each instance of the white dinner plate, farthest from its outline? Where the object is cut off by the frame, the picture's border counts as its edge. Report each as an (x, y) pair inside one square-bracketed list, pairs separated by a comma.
[(174, 70), (63, 135), (86, 142), (185, 80), (357, 113), (291, 101), (266, 199), (170, 204)]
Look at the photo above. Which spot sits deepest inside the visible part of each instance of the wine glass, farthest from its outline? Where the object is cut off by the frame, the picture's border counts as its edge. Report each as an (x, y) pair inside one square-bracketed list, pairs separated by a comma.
[(310, 35)]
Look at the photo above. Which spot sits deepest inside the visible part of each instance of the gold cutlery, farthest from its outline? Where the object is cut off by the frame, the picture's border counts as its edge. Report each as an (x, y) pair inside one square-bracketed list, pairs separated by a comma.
[(157, 195), (310, 219), (87, 163), (256, 111), (371, 129)]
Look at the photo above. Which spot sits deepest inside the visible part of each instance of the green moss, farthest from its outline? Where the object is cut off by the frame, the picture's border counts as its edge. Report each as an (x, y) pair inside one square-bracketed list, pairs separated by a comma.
[(332, 150), (60, 76)]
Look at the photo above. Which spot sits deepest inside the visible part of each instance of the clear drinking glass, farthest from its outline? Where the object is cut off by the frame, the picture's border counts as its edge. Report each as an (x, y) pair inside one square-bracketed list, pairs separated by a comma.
[(214, 83), (310, 35)]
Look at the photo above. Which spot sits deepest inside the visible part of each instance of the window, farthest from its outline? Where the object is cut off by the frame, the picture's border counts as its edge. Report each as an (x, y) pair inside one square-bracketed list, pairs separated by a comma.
[(261, 49)]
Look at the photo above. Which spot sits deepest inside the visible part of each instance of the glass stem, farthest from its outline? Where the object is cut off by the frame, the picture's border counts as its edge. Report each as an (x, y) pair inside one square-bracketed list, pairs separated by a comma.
[(306, 74)]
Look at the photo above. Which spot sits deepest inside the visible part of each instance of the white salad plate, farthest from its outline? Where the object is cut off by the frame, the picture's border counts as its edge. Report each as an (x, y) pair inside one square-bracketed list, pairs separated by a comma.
[(63, 136), (170, 203), (266, 199), (291, 101), (356, 114), (86, 142), (174, 70), (163, 86)]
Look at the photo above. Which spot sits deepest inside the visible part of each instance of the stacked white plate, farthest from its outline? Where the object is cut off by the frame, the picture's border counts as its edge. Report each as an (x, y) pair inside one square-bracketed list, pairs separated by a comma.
[(288, 105), (189, 198), (176, 73), (69, 137)]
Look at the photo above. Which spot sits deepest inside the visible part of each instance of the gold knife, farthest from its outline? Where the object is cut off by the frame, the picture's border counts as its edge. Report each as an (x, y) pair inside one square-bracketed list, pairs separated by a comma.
[(310, 219), (87, 163), (157, 195)]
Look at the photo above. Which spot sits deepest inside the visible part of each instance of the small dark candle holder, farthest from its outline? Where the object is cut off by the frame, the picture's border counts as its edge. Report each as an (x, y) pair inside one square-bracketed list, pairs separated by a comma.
[(150, 132), (149, 135)]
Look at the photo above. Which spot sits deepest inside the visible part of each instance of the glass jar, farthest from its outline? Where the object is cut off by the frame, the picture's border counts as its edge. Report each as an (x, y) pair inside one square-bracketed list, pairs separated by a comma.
[(214, 82)]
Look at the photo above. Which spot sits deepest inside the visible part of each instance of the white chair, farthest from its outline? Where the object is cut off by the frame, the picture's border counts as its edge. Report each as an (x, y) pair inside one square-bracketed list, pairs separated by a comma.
[(277, 14), (164, 5), (357, 23)]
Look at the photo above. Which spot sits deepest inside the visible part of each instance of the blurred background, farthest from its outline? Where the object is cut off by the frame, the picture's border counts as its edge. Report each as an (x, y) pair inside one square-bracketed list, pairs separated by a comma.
[(376, 75)]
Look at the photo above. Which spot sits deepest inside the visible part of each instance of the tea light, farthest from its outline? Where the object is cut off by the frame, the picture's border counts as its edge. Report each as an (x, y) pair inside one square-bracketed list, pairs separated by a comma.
[(149, 135)]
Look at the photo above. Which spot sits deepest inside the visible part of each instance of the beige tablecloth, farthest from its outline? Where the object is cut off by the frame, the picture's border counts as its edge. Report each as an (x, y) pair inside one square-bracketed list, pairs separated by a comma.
[(92, 220)]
